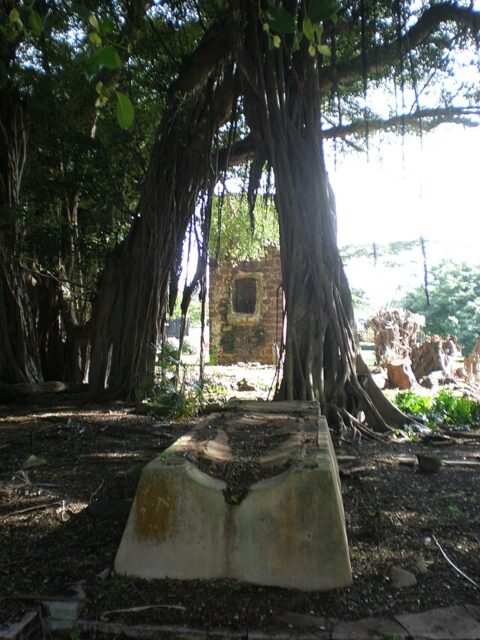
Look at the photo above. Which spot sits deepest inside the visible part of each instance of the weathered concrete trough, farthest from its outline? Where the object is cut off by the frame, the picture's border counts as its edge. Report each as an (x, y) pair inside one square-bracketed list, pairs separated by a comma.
[(248, 495)]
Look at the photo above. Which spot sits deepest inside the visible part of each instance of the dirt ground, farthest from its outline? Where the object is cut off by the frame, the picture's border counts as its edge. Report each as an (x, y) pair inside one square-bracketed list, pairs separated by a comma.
[(61, 523)]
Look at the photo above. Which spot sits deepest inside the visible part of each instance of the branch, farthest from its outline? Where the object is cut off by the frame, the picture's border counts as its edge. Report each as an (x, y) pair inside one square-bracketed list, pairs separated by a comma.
[(240, 152), (211, 51), (452, 564), (429, 21), (244, 150), (435, 117)]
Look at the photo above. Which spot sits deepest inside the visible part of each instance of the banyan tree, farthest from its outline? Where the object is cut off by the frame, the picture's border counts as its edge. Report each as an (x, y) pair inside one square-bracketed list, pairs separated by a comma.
[(267, 83)]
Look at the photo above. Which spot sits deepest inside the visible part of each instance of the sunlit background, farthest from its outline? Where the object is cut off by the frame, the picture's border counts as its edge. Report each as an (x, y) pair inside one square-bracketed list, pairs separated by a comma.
[(406, 189)]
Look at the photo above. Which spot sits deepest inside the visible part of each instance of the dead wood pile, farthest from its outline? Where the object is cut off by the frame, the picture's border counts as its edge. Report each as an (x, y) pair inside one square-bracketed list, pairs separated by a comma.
[(435, 354), (472, 362), (396, 332)]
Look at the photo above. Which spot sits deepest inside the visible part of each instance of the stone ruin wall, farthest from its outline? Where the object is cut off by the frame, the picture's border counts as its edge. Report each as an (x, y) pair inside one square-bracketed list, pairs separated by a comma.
[(246, 337)]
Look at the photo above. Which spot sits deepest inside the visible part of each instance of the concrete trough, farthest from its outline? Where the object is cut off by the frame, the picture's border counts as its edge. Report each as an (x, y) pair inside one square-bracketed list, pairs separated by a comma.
[(249, 496)]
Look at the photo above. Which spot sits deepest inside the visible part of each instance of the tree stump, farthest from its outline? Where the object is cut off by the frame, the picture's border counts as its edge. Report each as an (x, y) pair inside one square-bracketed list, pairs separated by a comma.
[(400, 374)]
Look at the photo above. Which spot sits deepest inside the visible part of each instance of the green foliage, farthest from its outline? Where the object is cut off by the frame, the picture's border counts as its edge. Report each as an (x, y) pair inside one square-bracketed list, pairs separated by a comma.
[(106, 57), (454, 307), (168, 396), (125, 112), (455, 512), (235, 237), (63, 158), (445, 408), (21, 21), (280, 21), (412, 403), (454, 410), (319, 10)]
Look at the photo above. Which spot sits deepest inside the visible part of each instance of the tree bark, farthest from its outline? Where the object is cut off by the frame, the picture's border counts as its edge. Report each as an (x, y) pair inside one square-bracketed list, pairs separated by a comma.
[(321, 347), (19, 356), (133, 290)]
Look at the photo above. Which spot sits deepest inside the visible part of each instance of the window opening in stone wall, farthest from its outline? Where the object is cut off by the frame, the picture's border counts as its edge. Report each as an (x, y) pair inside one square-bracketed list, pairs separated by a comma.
[(245, 295)]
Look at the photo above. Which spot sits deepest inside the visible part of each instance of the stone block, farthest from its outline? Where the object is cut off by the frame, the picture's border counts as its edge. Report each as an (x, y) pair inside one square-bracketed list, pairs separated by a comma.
[(28, 628), (63, 608), (368, 629), (287, 529), (451, 623)]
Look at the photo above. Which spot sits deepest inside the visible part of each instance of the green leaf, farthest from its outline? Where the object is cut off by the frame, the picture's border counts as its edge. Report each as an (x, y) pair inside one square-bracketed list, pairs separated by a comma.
[(89, 64), (107, 57), (94, 38), (35, 22), (14, 17), (125, 112), (311, 50), (324, 50), (318, 30), (308, 29), (93, 21), (319, 10), (280, 20), (106, 26), (100, 101)]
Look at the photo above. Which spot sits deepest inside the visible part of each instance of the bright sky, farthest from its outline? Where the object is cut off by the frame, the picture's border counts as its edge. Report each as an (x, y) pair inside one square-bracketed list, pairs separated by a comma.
[(428, 187), (400, 194)]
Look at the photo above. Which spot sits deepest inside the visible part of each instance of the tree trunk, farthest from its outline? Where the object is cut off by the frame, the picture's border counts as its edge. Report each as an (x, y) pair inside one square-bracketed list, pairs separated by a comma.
[(321, 347), (19, 357), (133, 290)]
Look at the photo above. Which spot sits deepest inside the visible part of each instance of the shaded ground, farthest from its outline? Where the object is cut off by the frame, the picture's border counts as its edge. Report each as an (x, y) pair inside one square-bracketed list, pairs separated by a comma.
[(61, 522)]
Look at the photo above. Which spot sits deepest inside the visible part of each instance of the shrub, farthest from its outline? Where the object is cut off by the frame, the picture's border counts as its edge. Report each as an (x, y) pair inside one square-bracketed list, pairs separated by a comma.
[(444, 408)]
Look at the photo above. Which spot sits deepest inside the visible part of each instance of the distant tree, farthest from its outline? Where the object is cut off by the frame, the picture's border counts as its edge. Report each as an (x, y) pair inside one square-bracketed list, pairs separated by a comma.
[(233, 233), (454, 309)]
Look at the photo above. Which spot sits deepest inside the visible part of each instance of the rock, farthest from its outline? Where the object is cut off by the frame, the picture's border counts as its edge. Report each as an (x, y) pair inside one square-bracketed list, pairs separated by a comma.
[(400, 578), (380, 378), (104, 574), (434, 379), (428, 464), (32, 462), (421, 565), (244, 385), (426, 382)]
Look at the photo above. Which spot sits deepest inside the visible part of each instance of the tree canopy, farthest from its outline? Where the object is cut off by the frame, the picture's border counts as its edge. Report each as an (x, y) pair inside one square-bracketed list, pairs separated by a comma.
[(97, 195), (454, 302)]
